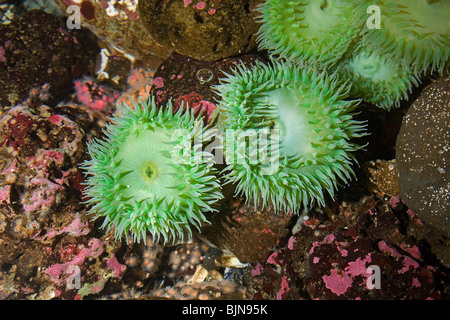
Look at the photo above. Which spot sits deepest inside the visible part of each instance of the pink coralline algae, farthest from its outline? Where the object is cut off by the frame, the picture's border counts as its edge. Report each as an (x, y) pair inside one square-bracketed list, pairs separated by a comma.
[(205, 290), (61, 273), (340, 280), (158, 82), (113, 264), (408, 264), (94, 249), (112, 8), (246, 232), (337, 282), (95, 96), (42, 224), (201, 5), (284, 291), (345, 264), (5, 194), (257, 270), (75, 228), (359, 267), (359, 253), (386, 248), (42, 196), (195, 102), (40, 145), (413, 251)]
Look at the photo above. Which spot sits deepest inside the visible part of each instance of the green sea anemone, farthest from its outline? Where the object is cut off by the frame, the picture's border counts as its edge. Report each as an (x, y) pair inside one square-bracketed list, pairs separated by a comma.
[(150, 173), (377, 78), (417, 32), (287, 134), (319, 31)]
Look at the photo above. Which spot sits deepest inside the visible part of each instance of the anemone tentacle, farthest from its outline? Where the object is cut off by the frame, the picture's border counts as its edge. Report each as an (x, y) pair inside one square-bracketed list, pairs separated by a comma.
[(416, 32), (148, 176), (287, 134), (317, 31), (377, 78)]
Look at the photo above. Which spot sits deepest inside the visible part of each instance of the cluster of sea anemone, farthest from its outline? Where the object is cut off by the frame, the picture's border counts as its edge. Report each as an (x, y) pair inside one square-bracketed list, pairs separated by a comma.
[(288, 125), (313, 31), (383, 47)]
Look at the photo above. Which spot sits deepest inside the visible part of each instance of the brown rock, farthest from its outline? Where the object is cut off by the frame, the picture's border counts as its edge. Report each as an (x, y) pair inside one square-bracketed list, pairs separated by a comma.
[(423, 151), (120, 28), (246, 232), (383, 177), (204, 30)]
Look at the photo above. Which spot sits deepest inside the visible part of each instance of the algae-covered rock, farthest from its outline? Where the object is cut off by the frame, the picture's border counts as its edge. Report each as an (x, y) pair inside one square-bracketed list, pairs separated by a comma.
[(37, 51), (423, 154), (118, 26), (204, 30)]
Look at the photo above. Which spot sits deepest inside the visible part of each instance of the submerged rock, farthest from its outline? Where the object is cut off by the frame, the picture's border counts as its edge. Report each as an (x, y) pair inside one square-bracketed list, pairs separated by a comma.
[(182, 79), (205, 30), (45, 232), (351, 250), (423, 151), (37, 51), (245, 232), (382, 176), (118, 25)]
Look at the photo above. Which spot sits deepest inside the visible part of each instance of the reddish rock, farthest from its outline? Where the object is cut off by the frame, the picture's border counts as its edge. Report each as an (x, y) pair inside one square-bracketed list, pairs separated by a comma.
[(184, 79)]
